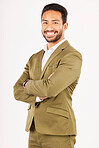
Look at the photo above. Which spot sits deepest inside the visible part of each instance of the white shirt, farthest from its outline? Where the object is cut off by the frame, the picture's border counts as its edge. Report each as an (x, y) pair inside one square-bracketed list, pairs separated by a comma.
[(46, 56)]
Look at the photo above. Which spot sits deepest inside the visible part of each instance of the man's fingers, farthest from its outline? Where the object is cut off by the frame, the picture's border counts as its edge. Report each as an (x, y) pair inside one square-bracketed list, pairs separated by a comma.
[(43, 98), (50, 75)]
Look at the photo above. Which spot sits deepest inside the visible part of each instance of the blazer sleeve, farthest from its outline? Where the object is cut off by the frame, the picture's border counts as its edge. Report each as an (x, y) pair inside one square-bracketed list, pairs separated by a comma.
[(66, 73), (19, 92)]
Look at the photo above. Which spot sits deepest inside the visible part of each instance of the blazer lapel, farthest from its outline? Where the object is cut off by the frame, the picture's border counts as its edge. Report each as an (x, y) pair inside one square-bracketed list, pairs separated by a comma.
[(53, 55)]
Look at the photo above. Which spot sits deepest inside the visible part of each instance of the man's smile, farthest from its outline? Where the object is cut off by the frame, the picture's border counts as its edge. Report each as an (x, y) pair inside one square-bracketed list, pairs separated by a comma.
[(50, 33)]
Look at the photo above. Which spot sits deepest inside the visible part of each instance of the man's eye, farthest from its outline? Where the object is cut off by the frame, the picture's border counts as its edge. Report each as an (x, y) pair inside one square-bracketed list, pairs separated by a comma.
[(55, 22), (44, 22)]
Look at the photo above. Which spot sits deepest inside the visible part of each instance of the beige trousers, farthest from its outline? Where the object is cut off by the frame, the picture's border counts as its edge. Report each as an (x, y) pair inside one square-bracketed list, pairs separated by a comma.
[(37, 140)]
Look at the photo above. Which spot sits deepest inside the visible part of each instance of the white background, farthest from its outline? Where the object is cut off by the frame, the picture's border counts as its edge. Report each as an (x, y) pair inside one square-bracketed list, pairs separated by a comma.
[(20, 37)]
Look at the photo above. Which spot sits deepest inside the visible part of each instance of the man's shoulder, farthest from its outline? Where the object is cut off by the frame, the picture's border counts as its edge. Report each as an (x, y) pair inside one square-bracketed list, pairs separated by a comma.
[(71, 50), (35, 54)]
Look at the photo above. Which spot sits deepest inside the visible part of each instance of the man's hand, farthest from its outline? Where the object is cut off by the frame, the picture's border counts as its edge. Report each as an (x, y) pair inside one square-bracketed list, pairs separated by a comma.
[(51, 75), (43, 98)]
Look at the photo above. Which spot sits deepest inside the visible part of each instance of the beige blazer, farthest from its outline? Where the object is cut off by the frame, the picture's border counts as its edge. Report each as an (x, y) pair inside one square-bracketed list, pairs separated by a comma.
[(54, 115)]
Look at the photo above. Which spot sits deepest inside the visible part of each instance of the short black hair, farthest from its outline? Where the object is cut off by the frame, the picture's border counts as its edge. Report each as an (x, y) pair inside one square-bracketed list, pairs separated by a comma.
[(56, 7)]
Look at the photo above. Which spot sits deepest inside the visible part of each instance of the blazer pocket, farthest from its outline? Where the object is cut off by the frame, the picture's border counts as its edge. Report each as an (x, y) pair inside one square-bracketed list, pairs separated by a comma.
[(58, 111)]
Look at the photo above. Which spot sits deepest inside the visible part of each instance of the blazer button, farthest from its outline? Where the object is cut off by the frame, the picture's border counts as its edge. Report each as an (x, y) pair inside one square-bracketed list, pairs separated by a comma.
[(37, 104)]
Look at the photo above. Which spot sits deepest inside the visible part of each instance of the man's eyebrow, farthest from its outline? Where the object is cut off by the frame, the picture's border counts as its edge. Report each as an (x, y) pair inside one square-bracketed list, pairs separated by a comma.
[(52, 20), (56, 20), (44, 20)]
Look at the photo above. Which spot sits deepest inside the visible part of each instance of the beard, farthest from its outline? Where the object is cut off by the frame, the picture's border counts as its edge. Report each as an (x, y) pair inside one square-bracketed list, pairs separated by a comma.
[(56, 38)]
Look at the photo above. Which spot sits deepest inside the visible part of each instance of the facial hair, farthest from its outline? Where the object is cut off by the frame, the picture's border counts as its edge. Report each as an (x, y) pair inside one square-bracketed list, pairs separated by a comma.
[(58, 36)]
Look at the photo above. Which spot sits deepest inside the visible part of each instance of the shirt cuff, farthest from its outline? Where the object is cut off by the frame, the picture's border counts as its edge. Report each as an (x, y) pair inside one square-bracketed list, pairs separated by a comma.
[(38, 99)]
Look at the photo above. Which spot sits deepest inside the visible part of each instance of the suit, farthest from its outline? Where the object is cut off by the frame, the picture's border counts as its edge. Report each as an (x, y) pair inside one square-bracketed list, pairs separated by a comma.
[(54, 115)]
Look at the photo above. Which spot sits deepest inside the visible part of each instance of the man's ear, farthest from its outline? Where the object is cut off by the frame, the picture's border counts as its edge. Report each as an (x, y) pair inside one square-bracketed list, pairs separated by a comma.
[(65, 26)]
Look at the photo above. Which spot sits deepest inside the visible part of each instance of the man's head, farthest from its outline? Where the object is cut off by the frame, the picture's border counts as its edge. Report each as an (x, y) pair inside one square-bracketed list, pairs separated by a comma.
[(54, 22), (56, 7)]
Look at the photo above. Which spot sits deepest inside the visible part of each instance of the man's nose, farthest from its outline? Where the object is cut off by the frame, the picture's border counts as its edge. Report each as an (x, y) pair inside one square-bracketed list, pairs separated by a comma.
[(49, 27)]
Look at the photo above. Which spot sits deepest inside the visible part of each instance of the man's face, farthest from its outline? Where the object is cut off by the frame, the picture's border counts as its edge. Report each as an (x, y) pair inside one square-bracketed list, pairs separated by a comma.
[(52, 26)]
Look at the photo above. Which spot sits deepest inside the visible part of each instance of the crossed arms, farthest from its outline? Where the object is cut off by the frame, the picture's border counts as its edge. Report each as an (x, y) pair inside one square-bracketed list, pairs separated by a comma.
[(26, 81), (67, 72)]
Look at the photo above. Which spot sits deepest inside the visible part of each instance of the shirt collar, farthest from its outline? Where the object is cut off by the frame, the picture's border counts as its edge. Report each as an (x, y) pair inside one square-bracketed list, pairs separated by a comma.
[(54, 47)]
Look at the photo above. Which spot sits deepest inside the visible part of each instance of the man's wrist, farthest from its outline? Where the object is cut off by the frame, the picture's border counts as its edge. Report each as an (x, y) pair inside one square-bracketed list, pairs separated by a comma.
[(25, 83)]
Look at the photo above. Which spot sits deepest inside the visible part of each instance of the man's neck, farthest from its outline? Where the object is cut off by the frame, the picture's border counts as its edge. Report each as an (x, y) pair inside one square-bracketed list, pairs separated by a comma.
[(51, 44)]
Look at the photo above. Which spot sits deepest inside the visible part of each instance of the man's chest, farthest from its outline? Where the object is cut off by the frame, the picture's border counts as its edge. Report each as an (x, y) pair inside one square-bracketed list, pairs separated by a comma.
[(41, 67)]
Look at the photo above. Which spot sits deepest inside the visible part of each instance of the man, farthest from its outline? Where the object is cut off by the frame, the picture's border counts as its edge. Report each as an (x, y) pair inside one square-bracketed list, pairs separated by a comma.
[(48, 82)]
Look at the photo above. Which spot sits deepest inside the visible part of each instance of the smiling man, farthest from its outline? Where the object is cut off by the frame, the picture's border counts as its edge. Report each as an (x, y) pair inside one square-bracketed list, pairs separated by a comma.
[(47, 84), (53, 27)]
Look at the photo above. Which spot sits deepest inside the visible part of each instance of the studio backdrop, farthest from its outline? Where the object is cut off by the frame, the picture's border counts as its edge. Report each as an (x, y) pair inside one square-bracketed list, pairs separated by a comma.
[(20, 37)]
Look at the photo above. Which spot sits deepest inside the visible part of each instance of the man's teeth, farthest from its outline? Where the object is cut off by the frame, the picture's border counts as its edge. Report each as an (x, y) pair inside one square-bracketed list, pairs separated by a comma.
[(50, 33)]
